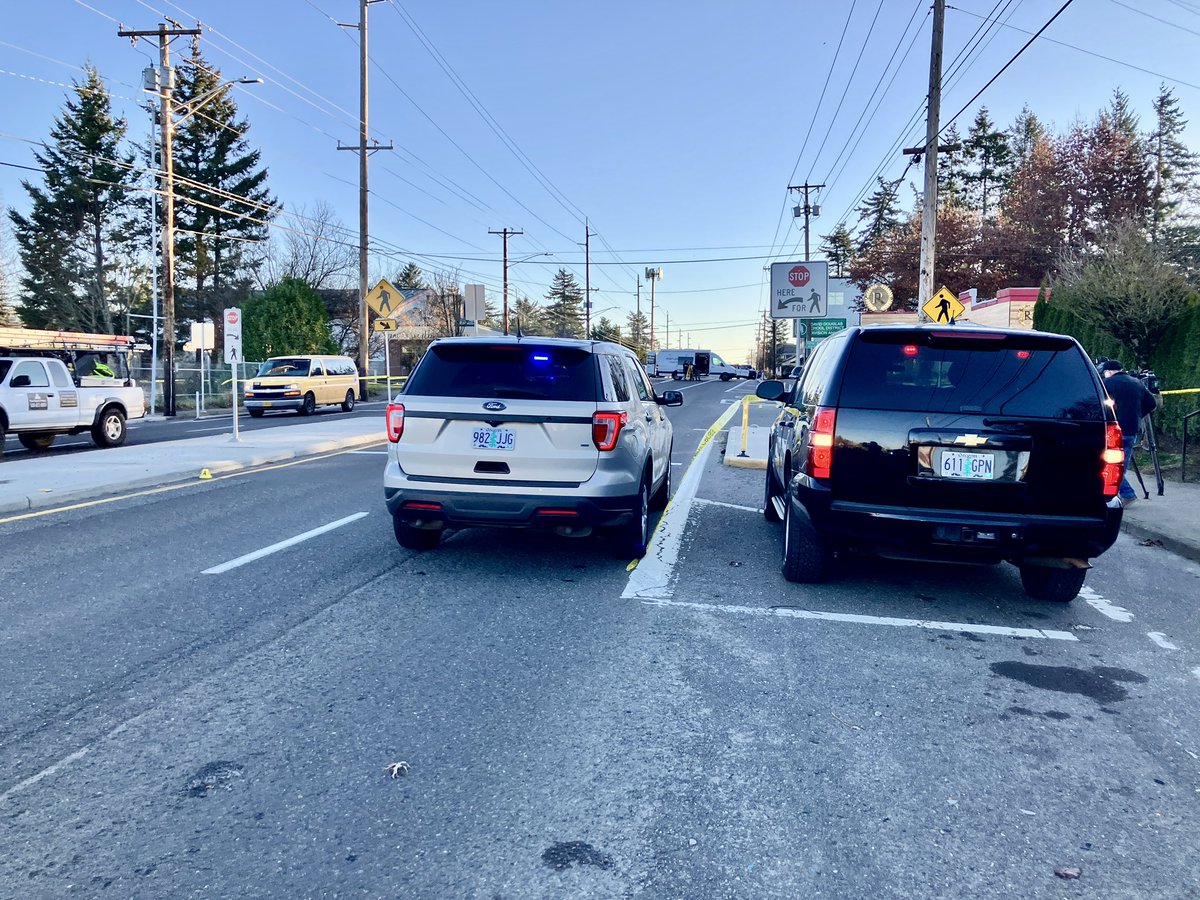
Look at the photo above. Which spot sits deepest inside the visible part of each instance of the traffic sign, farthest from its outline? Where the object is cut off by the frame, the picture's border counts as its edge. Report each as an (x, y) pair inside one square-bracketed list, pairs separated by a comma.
[(384, 299), (877, 297), (823, 328), (385, 325), (943, 307), (801, 329), (799, 290), (233, 335)]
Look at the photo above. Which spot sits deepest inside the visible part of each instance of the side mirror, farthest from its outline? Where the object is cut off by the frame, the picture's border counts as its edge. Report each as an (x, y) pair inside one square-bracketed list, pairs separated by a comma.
[(771, 390), (670, 398), (20, 381)]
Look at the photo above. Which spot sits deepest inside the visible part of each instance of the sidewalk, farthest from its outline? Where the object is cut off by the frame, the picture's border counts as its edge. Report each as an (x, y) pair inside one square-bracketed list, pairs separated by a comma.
[(1172, 520), (52, 479)]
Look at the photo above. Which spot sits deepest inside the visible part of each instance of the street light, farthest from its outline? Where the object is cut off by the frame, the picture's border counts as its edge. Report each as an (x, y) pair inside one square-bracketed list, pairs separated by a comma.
[(513, 263)]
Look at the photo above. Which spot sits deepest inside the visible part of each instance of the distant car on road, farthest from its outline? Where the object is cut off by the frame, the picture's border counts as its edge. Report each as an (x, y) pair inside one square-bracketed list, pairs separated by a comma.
[(301, 383), (566, 435), (957, 444)]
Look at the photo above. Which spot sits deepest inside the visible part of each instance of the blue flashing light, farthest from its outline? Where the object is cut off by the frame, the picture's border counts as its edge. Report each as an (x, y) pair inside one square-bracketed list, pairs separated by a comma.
[(540, 358)]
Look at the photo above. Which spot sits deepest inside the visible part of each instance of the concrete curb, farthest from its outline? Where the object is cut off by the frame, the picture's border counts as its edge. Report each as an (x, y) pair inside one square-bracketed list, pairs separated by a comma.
[(744, 462), (1180, 548), (183, 472)]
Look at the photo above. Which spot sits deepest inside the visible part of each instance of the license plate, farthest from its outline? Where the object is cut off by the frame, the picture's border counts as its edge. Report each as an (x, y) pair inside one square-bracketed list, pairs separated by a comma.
[(493, 439), (955, 464), (266, 403)]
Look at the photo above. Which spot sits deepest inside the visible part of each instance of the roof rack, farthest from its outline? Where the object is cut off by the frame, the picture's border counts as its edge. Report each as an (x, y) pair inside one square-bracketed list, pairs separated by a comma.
[(30, 339)]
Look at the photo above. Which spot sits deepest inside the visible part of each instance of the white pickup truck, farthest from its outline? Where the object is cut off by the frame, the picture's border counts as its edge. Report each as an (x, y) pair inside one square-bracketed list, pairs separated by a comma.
[(39, 400)]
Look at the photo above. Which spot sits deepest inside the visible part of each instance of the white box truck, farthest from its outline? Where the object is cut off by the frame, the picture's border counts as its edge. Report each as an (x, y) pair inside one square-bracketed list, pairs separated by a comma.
[(674, 362)]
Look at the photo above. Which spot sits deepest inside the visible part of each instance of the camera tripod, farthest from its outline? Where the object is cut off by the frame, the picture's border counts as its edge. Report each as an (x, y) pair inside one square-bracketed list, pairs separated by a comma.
[(1146, 432)]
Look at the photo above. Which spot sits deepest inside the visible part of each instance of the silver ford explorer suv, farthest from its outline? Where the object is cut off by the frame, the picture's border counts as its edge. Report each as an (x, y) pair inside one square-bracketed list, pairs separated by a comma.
[(528, 432)]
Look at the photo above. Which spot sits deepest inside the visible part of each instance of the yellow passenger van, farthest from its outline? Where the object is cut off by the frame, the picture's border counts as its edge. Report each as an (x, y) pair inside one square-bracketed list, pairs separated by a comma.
[(302, 383)]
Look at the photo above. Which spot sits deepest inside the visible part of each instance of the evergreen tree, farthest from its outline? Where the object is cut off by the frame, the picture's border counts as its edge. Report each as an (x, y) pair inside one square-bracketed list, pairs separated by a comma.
[(1024, 134), (1174, 164), (638, 334), (879, 214), (564, 306), (80, 218), (8, 285), (838, 248), (1034, 225), (604, 330), (952, 173), (990, 155), (222, 201), (526, 315), (410, 278), (288, 317)]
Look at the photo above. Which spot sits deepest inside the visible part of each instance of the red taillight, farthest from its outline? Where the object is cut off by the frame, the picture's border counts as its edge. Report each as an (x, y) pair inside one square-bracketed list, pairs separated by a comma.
[(820, 443), (428, 507), (606, 428), (395, 422), (1112, 459)]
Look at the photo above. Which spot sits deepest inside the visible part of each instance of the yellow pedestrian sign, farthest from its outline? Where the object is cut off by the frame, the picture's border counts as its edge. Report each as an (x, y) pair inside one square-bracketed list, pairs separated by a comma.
[(385, 324), (943, 307), (384, 299)]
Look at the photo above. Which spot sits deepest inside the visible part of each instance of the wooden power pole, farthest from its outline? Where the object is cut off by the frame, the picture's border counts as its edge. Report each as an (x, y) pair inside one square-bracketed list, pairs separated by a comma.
[(930, 203), (506, 233)]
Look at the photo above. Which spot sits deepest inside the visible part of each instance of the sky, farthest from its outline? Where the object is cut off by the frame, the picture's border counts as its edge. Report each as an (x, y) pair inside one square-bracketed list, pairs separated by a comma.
[(673, 128)]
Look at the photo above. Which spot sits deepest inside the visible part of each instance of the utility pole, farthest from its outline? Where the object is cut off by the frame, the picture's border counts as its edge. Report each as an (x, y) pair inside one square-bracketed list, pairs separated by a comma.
[(363, 149), (506, 233), (652, 275), (667, 313), (587, 279), (638, 336), (930, 203), (166, 84), (808, 209)]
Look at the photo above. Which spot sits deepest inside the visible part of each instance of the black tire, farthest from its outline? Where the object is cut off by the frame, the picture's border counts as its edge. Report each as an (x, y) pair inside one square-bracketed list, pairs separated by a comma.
[(255, 413), (348, 403), (634, 536), (725, 376), (413, 538), (35, 442), (675, 376), (805, 556), (110, 430), (770, 493), (308, 405), (663, 495), (1051, 585)]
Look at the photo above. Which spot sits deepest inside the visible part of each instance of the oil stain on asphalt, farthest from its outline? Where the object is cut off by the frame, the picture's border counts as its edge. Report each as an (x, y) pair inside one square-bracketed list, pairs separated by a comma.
[(1100, 683), (567, 853)]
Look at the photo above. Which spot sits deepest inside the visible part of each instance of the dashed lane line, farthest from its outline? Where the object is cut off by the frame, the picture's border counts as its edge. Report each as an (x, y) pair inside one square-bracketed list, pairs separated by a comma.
[(282, 545), (1161, 639), (1104, 607), (854, 619), (703, 501)]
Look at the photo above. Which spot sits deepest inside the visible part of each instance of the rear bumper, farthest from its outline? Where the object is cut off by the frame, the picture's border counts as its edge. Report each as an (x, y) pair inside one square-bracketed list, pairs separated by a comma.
[(508, 510), (957, 535)]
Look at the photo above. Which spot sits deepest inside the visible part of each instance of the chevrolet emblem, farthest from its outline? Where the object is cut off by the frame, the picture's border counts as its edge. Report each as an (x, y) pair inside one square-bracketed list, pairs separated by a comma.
[(971, 440)]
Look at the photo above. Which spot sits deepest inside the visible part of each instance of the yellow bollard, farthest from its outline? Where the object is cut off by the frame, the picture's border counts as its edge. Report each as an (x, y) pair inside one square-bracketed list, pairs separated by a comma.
[(745, 423)]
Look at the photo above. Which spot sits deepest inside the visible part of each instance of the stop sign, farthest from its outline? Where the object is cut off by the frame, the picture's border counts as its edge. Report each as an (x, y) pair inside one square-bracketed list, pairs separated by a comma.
[(231, 316), (798, 276)]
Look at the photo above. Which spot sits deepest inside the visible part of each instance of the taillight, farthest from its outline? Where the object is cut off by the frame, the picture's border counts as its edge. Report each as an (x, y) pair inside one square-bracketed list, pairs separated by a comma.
[(1113, 459), (820, 443), (606, 428), (395, 422)]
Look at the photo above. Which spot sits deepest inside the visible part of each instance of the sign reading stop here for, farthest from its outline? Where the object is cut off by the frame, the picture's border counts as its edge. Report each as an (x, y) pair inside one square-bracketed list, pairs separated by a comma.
[(800, 290)]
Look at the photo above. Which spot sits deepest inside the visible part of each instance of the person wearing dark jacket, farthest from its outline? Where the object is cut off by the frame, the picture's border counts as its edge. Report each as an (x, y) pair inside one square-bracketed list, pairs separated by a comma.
[(1133, 401)]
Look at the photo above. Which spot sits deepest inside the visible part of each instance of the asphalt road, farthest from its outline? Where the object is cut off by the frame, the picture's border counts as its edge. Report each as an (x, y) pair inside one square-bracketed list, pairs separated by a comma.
[(574, 729)]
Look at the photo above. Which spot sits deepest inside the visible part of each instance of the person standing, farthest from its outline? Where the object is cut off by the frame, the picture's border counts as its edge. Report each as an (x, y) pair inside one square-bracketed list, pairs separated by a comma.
[(1133, 401)]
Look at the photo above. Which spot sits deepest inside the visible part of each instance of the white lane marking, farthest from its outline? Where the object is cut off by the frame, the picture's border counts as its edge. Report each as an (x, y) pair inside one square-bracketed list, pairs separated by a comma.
[(753, 509), (282, 545), (677, 464), (1196, 672), (368, 452), (653, 573), (854, 619), (1161, 639), (65, 761), (1102, 606), (215, 428)]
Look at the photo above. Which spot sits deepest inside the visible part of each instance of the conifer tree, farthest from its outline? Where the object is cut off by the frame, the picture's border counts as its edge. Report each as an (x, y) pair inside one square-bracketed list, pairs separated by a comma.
[(1174, 164), (606, 330), (838, 247), (638, 333), (1023, 135), (525, 314), (879, 214), (952, 173), (410, 278), (990, 155), (564, 306)]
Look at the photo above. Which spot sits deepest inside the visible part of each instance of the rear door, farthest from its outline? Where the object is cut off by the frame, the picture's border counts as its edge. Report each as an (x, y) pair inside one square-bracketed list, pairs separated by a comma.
[(505, 412), (658, 426), (987, 421)]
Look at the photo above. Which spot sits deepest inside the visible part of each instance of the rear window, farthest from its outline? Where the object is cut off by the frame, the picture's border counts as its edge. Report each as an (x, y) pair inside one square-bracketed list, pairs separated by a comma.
[(505, 371), (1004, 376)]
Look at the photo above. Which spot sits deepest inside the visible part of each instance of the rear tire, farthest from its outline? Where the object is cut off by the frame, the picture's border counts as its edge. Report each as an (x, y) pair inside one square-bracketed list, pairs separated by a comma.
[(413, 538), (348, 403), (634, 536), (109, 430), (725, 376), (35, 442), (255, 413), (308, 406), (805, 556), (1051, 585), (663, 495)]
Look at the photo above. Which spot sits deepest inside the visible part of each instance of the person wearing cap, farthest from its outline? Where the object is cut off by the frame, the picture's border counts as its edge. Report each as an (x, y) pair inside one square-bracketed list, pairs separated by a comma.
[(1133, 401)]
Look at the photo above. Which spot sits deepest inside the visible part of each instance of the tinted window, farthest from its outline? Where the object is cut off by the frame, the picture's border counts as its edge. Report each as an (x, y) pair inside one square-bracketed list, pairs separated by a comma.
[(814, 388), (36, 372), (637, 377), (505, 371), (5, 365), (59, 375), (1010, 375), (617, 375), (284, 365)]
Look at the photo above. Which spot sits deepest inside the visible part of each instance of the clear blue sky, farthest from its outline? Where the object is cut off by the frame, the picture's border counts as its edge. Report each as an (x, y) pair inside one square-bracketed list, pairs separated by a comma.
[(674, 127)]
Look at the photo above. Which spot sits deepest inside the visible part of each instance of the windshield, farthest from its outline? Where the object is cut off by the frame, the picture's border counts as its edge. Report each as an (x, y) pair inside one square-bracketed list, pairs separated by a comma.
[(505, 371), (284, 366)]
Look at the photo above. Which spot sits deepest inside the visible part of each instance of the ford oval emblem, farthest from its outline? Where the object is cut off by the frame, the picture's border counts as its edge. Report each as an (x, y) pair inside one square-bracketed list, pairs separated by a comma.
[(494, 406)]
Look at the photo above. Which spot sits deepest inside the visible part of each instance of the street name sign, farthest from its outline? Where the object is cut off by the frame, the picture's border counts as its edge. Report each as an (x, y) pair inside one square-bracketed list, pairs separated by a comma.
[(799, 290)]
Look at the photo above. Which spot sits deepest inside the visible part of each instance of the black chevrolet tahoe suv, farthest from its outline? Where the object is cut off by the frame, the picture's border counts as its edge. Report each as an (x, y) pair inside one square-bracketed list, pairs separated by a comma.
[(946, 443)]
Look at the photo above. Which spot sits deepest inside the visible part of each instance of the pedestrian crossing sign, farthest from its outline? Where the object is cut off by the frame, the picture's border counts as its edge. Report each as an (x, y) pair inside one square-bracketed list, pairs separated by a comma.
[(943, 307), (384, 299)]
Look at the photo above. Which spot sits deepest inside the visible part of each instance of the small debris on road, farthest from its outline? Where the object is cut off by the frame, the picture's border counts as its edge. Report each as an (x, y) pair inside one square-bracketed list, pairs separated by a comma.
[(1067, 873), (397, 769), (1150, 542)]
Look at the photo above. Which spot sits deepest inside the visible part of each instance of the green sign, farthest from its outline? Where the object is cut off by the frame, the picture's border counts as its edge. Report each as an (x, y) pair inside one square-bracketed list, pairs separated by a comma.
[(823, 328)]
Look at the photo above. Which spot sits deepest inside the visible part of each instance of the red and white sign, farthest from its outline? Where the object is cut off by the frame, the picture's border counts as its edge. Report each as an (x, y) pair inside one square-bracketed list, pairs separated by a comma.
[(231, 317), (233, 335), (798, 276), (799, 289)]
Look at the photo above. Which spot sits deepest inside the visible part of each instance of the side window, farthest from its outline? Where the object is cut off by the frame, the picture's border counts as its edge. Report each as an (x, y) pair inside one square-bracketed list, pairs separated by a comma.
[(637, 377), (318, 370), (36, 372), (814, 387), (59, 374), (619, 380)]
